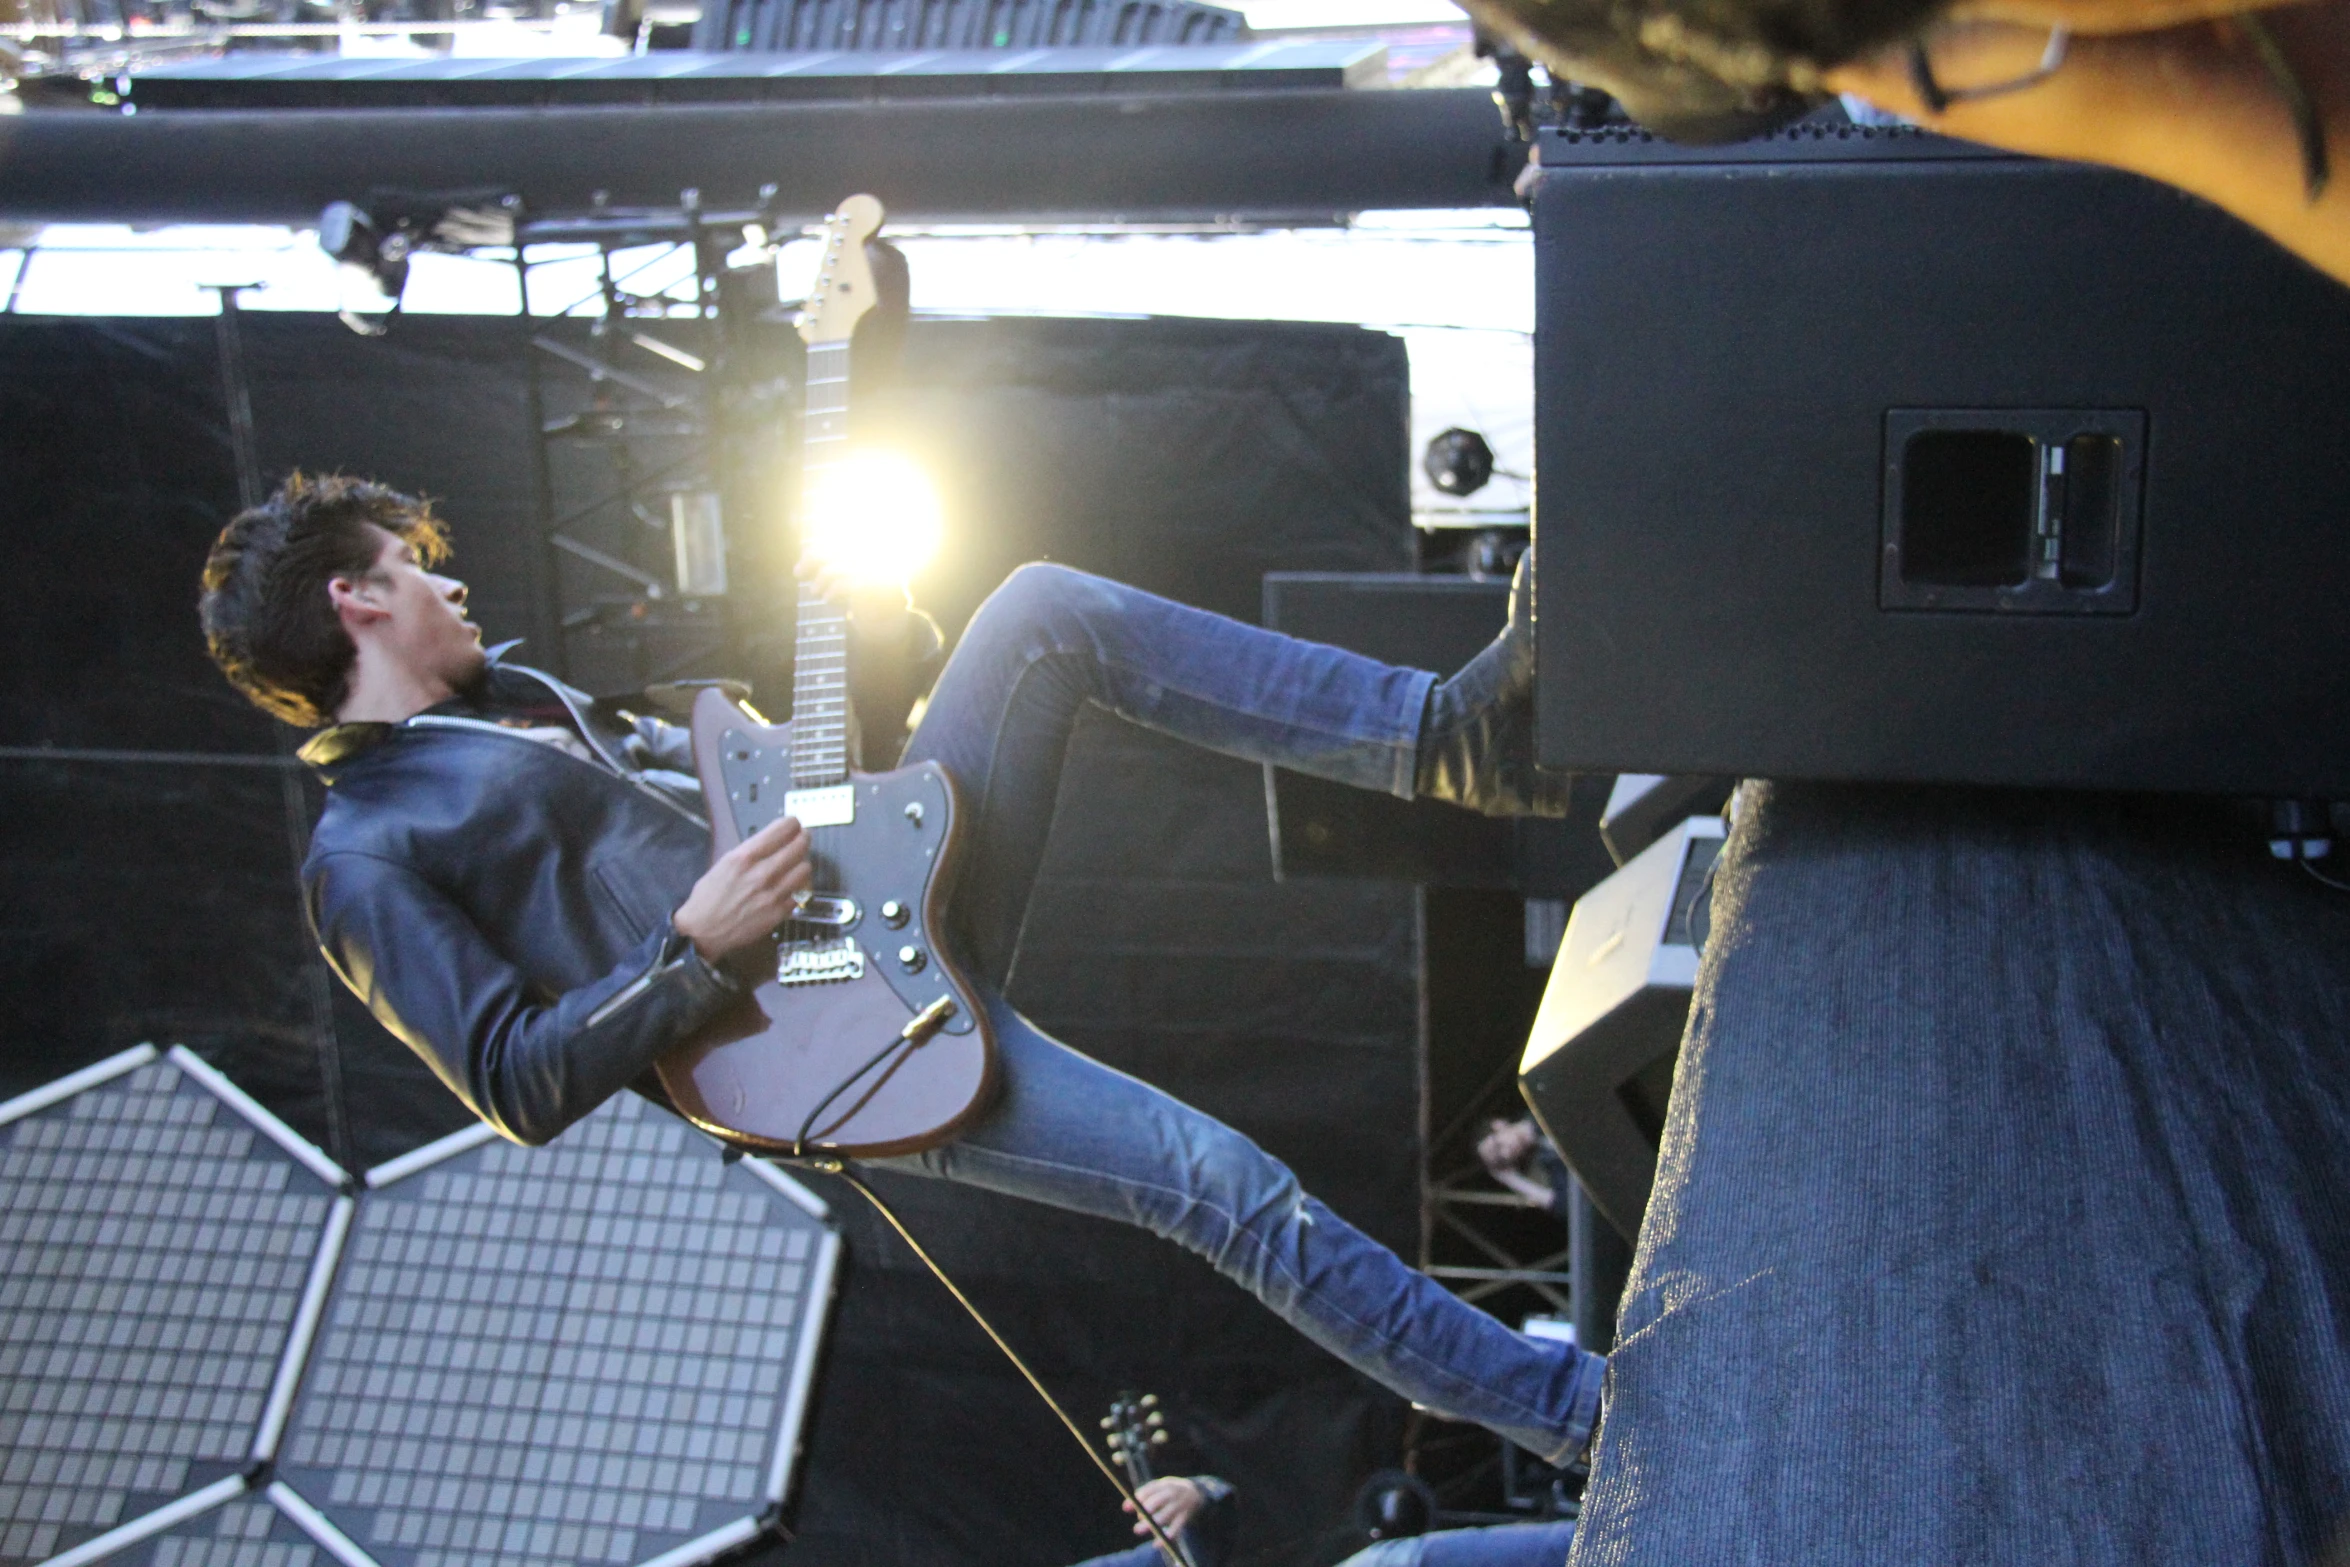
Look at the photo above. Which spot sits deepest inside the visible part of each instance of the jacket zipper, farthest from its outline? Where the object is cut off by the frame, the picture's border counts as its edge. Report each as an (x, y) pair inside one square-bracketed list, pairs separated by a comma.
[(625, 994)]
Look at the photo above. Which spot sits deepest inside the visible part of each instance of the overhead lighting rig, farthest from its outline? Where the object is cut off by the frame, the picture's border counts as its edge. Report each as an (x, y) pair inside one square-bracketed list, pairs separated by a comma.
[(373, 239)]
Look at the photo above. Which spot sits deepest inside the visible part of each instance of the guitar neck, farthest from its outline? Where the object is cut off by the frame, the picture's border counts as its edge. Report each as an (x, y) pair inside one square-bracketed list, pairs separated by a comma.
[(823, 737)]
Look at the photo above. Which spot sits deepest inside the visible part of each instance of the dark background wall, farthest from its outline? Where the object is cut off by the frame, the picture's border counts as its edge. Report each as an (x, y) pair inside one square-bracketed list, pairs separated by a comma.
[(153, 897)]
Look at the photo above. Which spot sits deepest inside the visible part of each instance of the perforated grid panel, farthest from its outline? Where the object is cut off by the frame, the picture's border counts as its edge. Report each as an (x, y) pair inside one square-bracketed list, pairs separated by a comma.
[(577, 1354), (153, 1252), (247, 1532)]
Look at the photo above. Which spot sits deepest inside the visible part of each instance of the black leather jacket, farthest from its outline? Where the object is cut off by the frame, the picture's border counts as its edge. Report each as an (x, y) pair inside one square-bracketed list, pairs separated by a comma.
[(503, 906)]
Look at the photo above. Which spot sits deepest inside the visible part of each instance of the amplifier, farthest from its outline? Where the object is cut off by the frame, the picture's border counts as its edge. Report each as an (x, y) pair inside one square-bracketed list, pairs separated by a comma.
[(1870, 455), (1598, 1067)]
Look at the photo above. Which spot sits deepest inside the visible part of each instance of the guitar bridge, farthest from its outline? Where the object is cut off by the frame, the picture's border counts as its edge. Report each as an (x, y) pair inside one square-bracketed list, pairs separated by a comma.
[(820, 962)]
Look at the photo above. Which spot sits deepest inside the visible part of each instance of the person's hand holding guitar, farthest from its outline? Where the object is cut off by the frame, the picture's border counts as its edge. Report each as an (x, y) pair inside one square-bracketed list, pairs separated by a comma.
[(747, 891), (1173, 1501)]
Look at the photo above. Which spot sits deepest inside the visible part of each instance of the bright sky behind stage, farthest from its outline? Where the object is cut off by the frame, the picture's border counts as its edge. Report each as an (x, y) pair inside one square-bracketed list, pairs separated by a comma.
[(1457, 286)]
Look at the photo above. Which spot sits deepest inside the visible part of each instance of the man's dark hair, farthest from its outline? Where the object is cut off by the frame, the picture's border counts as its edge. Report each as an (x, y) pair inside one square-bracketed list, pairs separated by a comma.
[(1703, 70), (267, 618)]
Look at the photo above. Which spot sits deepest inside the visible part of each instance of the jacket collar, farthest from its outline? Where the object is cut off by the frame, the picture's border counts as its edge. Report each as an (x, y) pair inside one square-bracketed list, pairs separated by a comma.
[(333, 746), (337, 744)]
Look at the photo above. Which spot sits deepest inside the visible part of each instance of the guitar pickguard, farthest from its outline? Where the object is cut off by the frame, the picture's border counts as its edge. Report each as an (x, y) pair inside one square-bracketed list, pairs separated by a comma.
[(876, 846)]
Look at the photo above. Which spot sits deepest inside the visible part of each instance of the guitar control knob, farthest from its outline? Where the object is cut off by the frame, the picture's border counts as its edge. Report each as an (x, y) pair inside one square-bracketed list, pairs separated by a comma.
[(914, 812), (911, 959), (893, 914)]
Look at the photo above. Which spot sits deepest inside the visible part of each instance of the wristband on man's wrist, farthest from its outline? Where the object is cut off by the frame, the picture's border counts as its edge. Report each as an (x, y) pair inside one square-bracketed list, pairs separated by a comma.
[(678, 949)]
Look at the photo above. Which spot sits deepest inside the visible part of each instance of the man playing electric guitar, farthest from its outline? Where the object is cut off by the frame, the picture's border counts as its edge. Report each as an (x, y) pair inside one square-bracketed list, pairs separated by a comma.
[(518, 884)]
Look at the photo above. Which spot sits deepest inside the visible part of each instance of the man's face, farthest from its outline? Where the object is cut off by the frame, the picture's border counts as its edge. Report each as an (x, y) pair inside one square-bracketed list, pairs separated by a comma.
[(425, 628)]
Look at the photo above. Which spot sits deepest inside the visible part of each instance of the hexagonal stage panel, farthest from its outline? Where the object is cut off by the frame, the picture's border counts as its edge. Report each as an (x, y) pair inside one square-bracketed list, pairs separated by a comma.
[(165, 1246), (244, 1531), (596, 1352)]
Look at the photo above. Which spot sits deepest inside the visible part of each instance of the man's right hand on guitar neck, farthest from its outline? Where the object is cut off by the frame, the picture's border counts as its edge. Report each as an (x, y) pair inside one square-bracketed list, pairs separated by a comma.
[(747, 891)]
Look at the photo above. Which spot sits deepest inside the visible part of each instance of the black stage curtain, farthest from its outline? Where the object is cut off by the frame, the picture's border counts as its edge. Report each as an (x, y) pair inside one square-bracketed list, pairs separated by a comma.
[(154, 899)]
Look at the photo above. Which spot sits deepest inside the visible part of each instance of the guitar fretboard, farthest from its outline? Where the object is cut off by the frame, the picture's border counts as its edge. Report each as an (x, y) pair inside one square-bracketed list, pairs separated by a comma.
[(821, 736)]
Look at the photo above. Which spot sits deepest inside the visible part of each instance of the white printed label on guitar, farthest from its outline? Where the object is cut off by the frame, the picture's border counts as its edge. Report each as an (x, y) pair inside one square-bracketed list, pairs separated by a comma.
[(833, 806)]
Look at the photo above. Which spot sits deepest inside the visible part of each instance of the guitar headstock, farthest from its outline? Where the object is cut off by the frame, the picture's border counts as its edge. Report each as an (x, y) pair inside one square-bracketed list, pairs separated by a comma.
[(1135, 1425), (844, 288)]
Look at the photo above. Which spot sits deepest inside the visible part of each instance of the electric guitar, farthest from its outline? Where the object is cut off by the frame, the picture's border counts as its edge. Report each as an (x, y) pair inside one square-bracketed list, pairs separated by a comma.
[(860, 1037), (1135, 1426)]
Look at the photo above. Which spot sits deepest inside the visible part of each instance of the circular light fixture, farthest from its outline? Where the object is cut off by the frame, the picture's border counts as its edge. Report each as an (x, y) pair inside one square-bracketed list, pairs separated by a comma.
[(1458, 462)]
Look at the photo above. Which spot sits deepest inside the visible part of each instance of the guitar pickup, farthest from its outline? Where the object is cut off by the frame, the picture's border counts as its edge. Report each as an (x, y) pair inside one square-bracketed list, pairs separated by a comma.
[(825, 909), (832, 806)]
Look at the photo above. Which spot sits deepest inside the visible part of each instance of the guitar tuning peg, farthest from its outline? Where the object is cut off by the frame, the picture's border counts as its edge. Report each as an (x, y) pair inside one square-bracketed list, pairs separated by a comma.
[(1150, 1400), (1158, 1438), (1109, 1421), (1155, 1420)]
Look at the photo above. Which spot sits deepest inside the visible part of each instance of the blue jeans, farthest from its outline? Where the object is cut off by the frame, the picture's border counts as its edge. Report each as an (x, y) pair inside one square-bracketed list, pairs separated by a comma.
[(1073, 1133), (1502, 1545), (2001, 1216)]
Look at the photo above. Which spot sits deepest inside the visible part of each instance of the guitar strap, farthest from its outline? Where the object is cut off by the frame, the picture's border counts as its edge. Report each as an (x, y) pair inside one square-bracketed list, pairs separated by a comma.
[(848, 1173)]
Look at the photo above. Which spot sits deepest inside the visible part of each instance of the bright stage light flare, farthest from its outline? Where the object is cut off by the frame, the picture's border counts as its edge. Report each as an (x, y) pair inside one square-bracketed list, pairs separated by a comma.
[(873, 516)]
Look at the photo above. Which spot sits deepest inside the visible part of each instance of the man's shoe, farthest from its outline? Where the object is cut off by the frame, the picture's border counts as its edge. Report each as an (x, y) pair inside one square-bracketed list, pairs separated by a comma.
[(1477, 736)]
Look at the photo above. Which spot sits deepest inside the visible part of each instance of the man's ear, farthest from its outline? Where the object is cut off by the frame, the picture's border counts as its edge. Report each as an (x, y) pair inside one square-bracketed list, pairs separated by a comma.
[(359, 601)]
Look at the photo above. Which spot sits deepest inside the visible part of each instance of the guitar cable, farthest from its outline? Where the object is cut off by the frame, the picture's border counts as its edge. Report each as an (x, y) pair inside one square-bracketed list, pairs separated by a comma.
[(918, 1031), (912, 1037), (835, 1165)]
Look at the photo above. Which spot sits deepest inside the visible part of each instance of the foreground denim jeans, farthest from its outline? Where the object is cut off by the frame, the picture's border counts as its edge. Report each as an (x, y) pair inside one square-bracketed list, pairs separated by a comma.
[(1502, 1545), (2004, 1211), (1073, 1133)]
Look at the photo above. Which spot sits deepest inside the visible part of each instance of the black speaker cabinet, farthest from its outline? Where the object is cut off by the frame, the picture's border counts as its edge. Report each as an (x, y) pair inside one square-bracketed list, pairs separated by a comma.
[(1598, 1067), (1867, 455)]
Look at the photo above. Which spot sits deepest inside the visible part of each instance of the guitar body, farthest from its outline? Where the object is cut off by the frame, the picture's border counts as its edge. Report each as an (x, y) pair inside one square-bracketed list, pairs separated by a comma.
[(793, 1058)]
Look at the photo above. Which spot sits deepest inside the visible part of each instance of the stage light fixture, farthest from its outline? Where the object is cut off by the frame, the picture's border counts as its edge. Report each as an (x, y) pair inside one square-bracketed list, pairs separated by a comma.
[(348, 234), (373, 243), (874, 516), (372, 266), (1458, 462), (697, 528)]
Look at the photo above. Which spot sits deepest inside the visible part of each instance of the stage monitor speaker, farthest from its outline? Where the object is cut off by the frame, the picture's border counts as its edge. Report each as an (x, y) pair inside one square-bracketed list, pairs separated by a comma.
[(1598, 1067), (1599, 1263), (1867, 455), (1643, 807), (1326, 829)]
